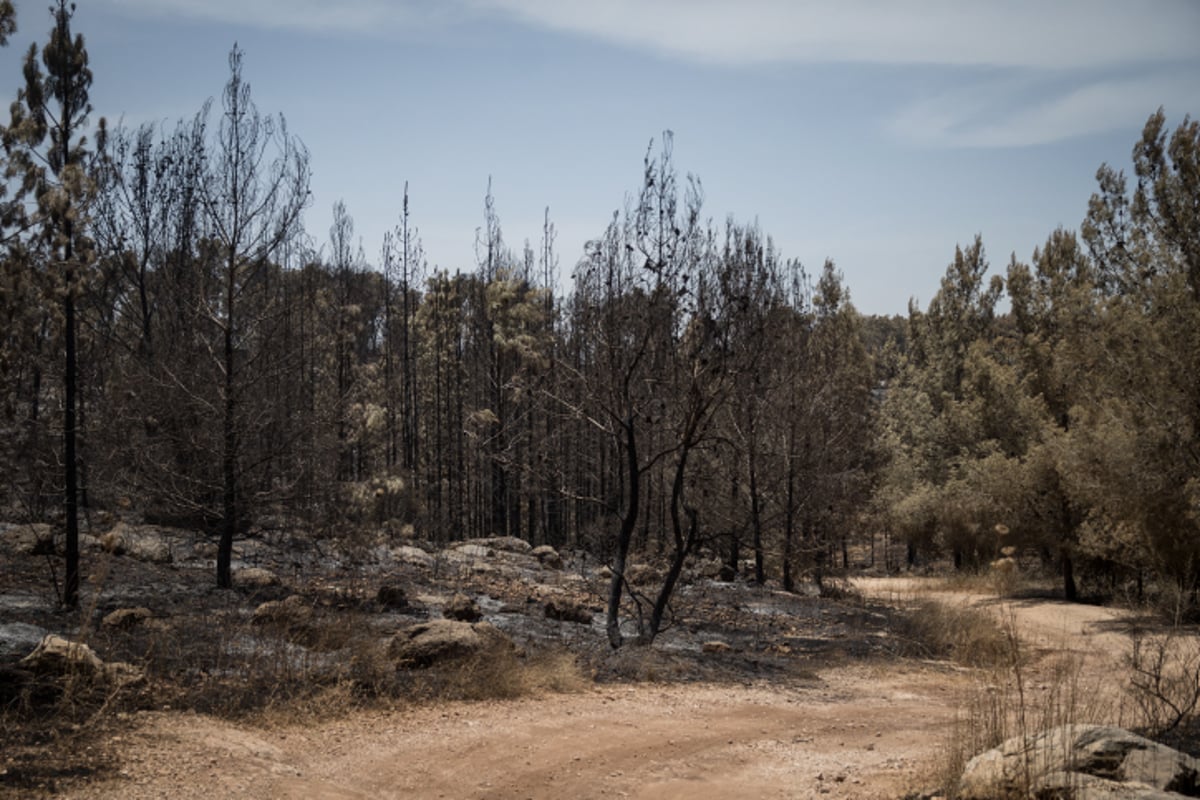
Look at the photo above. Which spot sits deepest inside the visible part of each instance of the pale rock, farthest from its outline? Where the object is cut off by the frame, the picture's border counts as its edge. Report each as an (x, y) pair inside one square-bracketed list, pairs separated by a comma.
[(547, 556), (474, 550), (32, 539), (415, 556), (143, 542), (257, 578), (507, 544), (462, 608), (567, 610), (437, 640), (126, 618), (291, 612), (55, 655), (1081, 762)]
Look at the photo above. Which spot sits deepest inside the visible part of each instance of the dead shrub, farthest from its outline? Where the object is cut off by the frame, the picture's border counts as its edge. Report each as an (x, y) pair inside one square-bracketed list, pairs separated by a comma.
[(499, 673), (1164, 682), (968, 636), (1006, 703)]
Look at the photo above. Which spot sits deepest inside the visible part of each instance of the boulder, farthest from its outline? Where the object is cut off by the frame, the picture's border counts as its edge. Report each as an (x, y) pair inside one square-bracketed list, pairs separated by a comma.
[(205, 550), (290, 613), (408, 554), (642, 574), (1081, 762), (547, 556), (257, 578), (55, 655), (143, 542), (1077, 786), (568, 610), (126, 618), (32, 539), (439, 640), (462, 608), (506, 544), (474, 550)]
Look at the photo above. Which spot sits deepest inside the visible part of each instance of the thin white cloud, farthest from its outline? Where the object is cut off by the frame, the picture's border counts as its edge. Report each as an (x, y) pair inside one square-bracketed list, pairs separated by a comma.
[(1017, 114), (1026, 33), (348, 16), (1056, 69), (1022, 33)]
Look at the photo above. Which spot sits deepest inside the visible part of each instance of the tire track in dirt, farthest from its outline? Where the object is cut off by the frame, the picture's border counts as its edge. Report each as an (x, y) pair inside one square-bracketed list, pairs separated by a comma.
[(862, 732)]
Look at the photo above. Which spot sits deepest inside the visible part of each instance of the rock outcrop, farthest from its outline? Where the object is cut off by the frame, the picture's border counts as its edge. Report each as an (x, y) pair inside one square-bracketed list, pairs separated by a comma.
[(408, 554), (56, 657), (256, 578), (440, 640), (1081, 762), (462, 609), (291, 613), (568, 610), (32, 539), (507, 544), (143, 542), (126, 618), (547, 556)]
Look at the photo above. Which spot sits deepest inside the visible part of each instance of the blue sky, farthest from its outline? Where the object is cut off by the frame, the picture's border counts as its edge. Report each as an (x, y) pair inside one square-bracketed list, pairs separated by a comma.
[(878, 134)]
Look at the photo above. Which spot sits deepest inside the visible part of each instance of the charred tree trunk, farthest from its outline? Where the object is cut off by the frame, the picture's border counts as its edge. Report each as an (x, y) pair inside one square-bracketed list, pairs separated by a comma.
[(684, 542), (229, 440), (629, 521), (70, 466)]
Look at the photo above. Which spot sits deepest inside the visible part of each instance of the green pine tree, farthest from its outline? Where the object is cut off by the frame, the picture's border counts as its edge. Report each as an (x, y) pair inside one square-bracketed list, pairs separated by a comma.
[(49, 153)]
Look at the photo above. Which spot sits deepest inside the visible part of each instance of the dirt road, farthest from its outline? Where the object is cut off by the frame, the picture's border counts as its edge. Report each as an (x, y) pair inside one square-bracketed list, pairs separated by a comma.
[(859, 731), (1097, 634)]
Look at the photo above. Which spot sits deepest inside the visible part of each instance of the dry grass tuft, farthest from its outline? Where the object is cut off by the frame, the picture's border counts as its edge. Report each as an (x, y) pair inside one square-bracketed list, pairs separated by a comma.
[(968, 636), (227, 665), (502, 673), (1007, 701)]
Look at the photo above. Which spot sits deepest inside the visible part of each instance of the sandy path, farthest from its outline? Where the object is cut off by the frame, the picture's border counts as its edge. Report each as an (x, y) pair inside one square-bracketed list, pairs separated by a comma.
[(1098, 634), (861, 731)]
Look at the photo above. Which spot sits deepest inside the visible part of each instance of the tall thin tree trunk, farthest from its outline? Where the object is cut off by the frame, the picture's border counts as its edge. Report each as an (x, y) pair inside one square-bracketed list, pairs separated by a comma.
[(683, 547), (755, 505), (70, 466), (229, 443), (628, 523)]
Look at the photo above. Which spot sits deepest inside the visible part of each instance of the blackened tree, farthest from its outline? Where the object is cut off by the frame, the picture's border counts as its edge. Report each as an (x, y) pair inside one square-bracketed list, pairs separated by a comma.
[(255, 192)]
